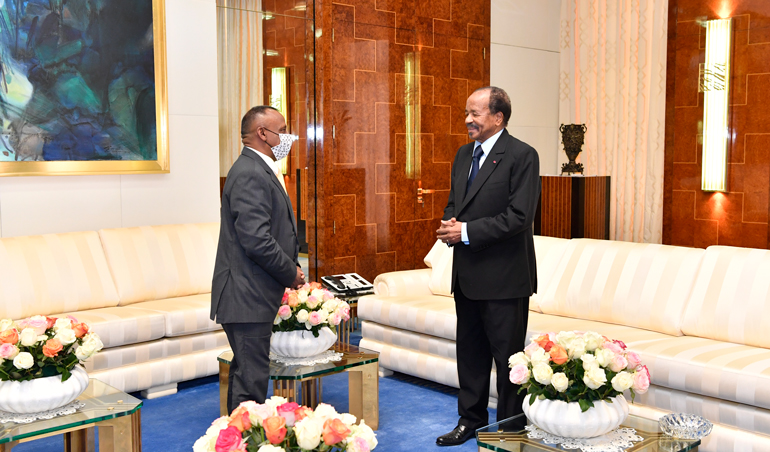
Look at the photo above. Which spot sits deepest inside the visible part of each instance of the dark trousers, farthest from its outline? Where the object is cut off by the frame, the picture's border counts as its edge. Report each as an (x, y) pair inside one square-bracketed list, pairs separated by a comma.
[(250, 367), (487, 330)]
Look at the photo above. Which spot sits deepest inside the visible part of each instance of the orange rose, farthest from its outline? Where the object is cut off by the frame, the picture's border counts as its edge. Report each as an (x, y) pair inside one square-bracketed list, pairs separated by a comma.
[(334, 431), (293, 300), (315, 285), (51, 321), (275, 429), (81, 329), (9, 336), (543, 341), (240, 419), (52, 348), (558, 354), (301, 413)]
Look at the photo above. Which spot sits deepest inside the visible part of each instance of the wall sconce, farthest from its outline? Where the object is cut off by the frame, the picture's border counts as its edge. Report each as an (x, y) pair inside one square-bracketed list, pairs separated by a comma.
[(413, 115), (279, 99), (714, 82)]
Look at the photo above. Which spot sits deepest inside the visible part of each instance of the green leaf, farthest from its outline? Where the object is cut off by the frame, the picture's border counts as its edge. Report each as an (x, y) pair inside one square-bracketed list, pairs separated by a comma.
[(585, 404)]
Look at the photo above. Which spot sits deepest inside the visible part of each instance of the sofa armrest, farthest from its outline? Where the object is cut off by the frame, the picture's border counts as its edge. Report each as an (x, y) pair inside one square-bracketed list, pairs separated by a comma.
[(407, 282)]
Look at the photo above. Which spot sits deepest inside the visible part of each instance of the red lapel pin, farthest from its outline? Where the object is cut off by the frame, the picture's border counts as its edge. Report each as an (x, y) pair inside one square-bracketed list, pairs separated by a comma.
[(494, 161)]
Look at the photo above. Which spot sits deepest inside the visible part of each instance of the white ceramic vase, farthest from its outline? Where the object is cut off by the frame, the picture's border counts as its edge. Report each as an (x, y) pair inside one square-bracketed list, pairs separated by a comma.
[(42, 394), (302, 344), (567, 420)]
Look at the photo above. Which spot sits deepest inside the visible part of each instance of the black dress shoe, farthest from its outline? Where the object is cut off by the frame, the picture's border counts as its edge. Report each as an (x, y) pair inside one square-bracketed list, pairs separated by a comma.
[(456, 437)]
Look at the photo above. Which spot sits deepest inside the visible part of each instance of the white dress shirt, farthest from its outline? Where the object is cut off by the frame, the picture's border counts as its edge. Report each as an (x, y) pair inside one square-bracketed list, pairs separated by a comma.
[(486, 148)]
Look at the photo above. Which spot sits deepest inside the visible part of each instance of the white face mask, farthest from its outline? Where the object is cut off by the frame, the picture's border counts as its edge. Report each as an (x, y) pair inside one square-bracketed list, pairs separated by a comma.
[(283, 148)]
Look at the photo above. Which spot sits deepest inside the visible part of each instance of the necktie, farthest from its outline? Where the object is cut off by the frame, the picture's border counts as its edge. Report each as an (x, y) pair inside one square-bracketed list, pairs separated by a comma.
[(280, 177), (474, 167)]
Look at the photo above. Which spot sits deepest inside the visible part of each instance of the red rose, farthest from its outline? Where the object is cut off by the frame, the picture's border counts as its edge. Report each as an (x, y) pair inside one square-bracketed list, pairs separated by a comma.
[(275, 429), (334, 431), (229, 440)]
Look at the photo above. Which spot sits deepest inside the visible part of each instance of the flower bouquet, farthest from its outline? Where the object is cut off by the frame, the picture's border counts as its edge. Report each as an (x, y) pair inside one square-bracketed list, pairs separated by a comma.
[(281, 426), (311, 307), (41, 346)]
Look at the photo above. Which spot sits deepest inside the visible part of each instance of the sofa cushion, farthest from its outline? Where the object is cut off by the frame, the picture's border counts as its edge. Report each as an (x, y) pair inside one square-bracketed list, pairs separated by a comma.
[(413, 282), (123, 325), (548, 254), (439, 259), (53, 273), (427, 314), (734, 372), (731, 297), (184, 315), (157, 262), (636, 284)]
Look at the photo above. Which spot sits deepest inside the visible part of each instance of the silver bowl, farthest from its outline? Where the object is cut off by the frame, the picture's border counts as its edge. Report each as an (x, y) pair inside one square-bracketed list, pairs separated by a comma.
[(685, 426)]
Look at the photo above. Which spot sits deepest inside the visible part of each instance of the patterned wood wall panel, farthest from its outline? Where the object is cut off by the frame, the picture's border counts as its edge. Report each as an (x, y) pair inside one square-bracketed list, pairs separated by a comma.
[(373, 222), (740, 217)]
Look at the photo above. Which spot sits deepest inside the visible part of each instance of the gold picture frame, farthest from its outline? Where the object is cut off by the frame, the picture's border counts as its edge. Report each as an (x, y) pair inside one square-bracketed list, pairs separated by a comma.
[(104, 167)]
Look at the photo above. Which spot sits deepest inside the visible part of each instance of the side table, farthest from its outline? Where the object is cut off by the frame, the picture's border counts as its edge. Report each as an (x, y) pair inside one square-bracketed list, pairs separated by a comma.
[(116, 414), (363, 381)]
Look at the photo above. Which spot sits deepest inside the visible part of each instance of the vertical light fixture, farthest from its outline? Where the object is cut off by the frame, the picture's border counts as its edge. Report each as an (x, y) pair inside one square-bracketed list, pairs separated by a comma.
[(279, 99), (715, 85), (412, 114)]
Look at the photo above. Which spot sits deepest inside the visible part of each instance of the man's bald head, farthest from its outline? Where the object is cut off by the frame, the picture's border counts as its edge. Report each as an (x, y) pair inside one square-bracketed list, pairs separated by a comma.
[(260, 127), (255, 115)]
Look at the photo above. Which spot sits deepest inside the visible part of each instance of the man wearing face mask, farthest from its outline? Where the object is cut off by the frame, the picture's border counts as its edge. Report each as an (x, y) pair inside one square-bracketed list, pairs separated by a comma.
[(257, 253), (488, 222)]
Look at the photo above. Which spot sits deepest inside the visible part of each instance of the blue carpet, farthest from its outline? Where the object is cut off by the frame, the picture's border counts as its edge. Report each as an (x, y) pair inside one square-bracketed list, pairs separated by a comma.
[(413, 412)]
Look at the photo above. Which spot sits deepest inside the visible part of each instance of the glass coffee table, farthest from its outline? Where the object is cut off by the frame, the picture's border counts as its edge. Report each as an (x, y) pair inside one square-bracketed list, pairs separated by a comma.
[(509, 435), (300, 383), (115, 413)]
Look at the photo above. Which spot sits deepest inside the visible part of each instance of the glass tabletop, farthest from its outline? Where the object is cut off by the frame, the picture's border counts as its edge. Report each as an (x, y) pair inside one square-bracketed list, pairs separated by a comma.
[(102, 402), (509, 435), (352, 356)]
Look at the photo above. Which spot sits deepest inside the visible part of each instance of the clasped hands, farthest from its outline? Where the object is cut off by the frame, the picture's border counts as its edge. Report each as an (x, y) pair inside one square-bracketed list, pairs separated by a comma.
[(299, 280), (450, 231)]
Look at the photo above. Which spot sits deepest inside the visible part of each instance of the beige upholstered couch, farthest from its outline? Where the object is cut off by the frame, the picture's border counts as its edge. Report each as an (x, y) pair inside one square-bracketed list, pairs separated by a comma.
[(144, 290), (700, 319)]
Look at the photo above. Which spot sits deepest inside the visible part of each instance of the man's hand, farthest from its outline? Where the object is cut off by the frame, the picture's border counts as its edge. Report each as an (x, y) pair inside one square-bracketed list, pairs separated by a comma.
[(299, 280), (450, 231)]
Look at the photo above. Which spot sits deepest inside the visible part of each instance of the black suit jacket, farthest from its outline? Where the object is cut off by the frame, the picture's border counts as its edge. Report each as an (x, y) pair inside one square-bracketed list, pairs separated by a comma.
[(258, 249), (499, 208)]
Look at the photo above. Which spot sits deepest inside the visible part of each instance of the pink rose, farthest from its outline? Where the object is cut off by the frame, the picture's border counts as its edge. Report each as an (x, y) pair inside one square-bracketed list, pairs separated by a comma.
[(327, 295), (38, 323), (634, 360), (284, 312), (519, 374), (344, 311), (314, 318), (335, 319), (618, 363), (614, 347), (8, 351), (230, 440), (312, 302), (287, 412), (531, 348), (358, 444), (285, 298), (641, 380)]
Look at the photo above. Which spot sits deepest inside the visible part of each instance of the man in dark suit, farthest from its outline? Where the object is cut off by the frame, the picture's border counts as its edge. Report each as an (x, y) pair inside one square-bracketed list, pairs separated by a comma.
[(257, 253), (488, 220)]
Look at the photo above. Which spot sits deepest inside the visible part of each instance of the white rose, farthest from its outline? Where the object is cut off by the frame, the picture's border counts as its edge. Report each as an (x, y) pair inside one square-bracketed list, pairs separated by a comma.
[(622, 381), (217, 426), (594, 377), (589, 361), (560, 381), (318, 293), (205, 443), (540, 356), (363, 431), (42, 338), (593, 340), (330, 305), (518, 358), (302, 316), (62, 324), (5, 324), (542, 373), (28, 337), (91, 344), (66, 336), (23, 360), (270, 448), (308, 432), (565, 338), (604, 357), (577, 348), (323, 315), (277, 320), (348, 419), (302, 295), (325, 411), (274, 402)]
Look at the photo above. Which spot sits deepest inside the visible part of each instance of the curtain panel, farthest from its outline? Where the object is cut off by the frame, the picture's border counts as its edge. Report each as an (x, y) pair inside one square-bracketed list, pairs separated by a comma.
[(239, 35), (613, 80)]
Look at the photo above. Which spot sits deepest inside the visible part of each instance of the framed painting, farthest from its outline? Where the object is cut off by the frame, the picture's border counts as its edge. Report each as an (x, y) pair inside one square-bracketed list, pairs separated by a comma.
[(83, 87)]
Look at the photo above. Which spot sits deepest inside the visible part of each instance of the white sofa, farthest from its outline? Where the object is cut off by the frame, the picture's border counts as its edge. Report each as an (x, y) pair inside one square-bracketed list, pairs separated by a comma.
[(144, 290), (700, 319)]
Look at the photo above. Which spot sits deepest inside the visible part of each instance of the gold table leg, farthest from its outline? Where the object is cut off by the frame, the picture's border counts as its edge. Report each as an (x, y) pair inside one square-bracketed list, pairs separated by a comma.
[(364, 393), (80, 440), (6, 447), (121, 434), (224, 384)]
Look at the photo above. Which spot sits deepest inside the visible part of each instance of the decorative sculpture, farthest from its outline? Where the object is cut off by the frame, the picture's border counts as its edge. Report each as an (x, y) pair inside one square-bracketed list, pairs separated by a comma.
[(572, 137)]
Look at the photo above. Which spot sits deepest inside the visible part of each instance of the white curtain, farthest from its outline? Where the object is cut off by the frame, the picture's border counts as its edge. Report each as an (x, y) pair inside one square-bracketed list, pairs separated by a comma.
[(613, 80), (239, 35)]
